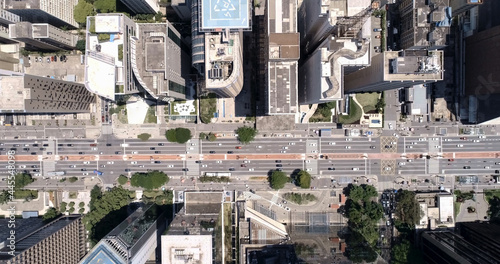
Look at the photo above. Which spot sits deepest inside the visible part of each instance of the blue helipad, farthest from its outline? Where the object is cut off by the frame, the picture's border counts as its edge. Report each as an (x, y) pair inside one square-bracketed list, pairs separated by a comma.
[(224, 14)]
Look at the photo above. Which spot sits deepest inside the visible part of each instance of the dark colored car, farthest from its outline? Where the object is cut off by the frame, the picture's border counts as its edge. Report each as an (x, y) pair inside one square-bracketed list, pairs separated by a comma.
[(212, 152), (83, 169), (278, 161), (69, 145), (33, 153), (26, 149), (231, 169), (127, 170), (42, 149), (34, 166), (35, 145), (157, 161), (60, 145), (108, 145), (161, 144), (185, 169), (279, 165), (230, 152), (157, 152), (46, 145), (152, 148), (81, 153), (118, 152), (466, 167)]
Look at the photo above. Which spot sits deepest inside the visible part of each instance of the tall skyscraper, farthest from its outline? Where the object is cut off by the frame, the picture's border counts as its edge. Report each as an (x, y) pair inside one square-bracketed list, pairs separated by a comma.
[(60, 241), (23, 93), (123, 57), (424, 24), (393, 69), (142, 6), (42, 36), (461, 6), (55, 12), (132, 241)]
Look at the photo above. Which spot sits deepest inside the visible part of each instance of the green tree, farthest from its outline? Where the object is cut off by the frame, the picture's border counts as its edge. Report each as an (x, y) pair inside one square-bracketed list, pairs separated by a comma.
[(203, 135), (105, 6), (494, 209), (95, 194), (165, 198), (380, 105), (73, 179), (71, 210), (81, 210), (212, 137), (22, 179), (122, 179), (158, 17), (304, 179), (50, 215), (400, 252), (407, 209), (71, 204), (62, 207), (24, 52), (150, 180), (144, 136), (81, 11), (81, 204), (80, 45), (4, 196), (246, 134), (171, 135), (278, 179)]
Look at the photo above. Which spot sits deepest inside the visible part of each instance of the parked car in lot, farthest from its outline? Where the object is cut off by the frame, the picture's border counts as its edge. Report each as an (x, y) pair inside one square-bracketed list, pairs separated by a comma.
[(377, 30)]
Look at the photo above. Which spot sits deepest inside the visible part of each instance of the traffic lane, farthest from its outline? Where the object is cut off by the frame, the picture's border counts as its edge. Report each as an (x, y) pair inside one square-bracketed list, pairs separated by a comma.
[(260, 166), (269, 147)]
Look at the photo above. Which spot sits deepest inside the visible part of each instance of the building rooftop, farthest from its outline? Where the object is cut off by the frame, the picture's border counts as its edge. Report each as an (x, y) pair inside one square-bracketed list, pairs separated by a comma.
[(224, 14), (407, 66), (42, 233), (186, 249), (202, 203), (222, 59)]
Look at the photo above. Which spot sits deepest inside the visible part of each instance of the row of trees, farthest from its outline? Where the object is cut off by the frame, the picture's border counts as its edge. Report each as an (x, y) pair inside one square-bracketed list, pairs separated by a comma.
[(278, 179), (150, 180), (182, 135)]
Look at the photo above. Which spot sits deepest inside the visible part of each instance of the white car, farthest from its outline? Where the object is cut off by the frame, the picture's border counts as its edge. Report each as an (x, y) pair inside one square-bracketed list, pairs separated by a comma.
[(86, 162), (220, 144), (203, 165), (348, 139), (394, 142), (94, 148), (486, 167), (437, 146), (314, 151), (283, 151), (22, 166), (390, 125), (355, 169), (347, 147), (447, 139), (285, 147), (135, 152), (476, 140), (422, 139), (141, 166), (291, 143), (331, 143), (409, 146), (85, 174), (312, 144), (133, 162), (259, 146), (402, 163), (309, 169), (387, 168), (251, 169), (308, 161), (482, 137), (72, 166), (170, 166), (246, 161), (110, 162), (409, 160), (219, 161), (460, 146), (193, 144)]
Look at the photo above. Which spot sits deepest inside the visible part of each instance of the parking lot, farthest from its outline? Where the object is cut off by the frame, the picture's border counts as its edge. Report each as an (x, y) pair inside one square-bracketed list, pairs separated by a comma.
[(56, 69)]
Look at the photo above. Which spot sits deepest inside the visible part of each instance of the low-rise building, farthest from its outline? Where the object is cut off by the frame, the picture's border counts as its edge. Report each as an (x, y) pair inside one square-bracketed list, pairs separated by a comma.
[(42, 36)]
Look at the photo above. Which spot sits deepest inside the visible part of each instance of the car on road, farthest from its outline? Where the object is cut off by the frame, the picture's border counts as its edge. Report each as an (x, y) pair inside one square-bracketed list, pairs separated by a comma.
[(135, 152), (348, 139), (312, 144), (231, 169), (246, 161), (243, 165), (127, 170), (482, 137), (141, 166), (279, 165), (347, 147), (212, 152), (133, 162), (387, 168), (331, 143), (394, 143), (355, 169), (81, 153), (110, 162), (486, 167), (476, 140), (157, 161), (331, 168), (161, 144), (463, 138), (460, 146), (22, 166), (69, 145), (284, 151), (259, 147), (230, 152), (497, 171), (185, 169), (157, 152), (372, 147), (203, 165), (377, 30), (402, 163), (86, 162), (409, 160), (277, 161), (279, 169), (437, 146), (422, 139), (85, 174), (237, 147), (219, 161), (103, 166), (291, 143), (108, 145), (387, 146), (251, 169), (409, 147), (466, 167), (170, 165), (308, 169), (377, 36), (152, 148), (83, 169)]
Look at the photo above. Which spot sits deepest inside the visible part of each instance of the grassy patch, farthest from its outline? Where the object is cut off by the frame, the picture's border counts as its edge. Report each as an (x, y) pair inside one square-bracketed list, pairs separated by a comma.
[(368, 101), (258, 178), (354, 113), (227, 232), (150, 116), (26, 194), (456, 209), (120, 52), (300, 198), (121, 111), (208, 106), (323, 113)]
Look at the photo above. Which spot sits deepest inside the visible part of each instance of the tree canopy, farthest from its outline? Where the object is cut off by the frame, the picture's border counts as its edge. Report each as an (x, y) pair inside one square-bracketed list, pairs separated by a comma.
[(407, 209), (144, 136), (82, 10), (22, 179), (278, 179), (150, 180), (95, 194), (122, 179), (246, 134), (50, 215), (400, 252), (105, 6), (304, 179), (179, 135)]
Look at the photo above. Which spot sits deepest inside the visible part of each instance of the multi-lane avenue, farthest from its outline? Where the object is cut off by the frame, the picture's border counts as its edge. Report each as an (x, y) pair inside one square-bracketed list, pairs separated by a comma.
[(388, 157)]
